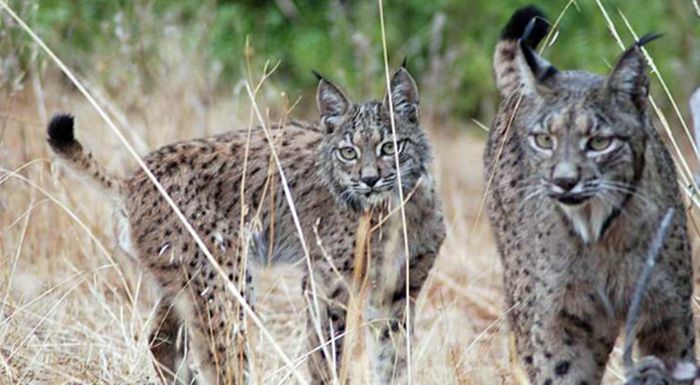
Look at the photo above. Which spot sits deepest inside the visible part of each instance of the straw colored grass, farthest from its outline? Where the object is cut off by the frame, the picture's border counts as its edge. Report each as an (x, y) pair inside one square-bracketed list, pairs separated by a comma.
[(67, 315), (75, 310)]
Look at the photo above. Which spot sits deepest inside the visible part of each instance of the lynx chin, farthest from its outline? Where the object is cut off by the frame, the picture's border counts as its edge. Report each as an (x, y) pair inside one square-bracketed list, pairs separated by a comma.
[(337, 170), (581, 181)]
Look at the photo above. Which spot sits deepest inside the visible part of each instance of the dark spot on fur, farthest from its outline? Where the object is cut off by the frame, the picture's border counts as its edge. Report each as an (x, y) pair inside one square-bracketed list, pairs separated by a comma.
[(577, 321), (562, 368)]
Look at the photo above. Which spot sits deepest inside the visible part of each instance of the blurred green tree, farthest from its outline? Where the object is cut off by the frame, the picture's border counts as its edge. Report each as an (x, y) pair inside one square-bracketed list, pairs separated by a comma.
[(448, 43)]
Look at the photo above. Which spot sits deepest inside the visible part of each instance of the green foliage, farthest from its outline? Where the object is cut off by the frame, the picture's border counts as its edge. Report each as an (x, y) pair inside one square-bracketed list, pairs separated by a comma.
[(448, 43)]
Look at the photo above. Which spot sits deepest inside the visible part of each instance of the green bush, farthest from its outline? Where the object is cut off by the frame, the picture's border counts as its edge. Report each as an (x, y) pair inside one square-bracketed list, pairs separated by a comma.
[(342, 39)]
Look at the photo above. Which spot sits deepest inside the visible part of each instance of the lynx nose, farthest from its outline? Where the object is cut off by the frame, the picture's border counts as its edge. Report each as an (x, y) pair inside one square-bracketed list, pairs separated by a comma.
[(370, 180), (565, 175)]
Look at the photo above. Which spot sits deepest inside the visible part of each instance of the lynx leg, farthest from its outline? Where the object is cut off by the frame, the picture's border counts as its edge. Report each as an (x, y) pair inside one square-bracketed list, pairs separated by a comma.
[(391, 340), (168, 346), (324, 363), (216, 326), (671, 339), (569, 349)]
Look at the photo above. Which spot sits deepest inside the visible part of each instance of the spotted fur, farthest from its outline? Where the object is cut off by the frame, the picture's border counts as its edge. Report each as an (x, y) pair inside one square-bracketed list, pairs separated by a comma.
[(330, 191), (580, 182)]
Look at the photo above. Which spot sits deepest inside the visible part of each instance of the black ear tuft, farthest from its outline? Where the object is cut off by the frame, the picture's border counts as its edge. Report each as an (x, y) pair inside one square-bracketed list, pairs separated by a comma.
[(60, 130), (529, 24), (649, 37), (404, 62), (318, 76), (541, 69)]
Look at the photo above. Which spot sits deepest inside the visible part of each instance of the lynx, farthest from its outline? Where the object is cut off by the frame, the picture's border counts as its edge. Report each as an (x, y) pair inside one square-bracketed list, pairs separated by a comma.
[(579, 182), (337, 170)]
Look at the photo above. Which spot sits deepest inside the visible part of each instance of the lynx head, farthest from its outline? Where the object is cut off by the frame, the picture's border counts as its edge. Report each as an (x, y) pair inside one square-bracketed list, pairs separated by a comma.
[(358, 153), (582, 135)]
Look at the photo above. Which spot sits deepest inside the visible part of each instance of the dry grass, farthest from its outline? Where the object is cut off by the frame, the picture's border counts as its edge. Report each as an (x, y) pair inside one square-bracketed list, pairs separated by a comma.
[(75, 310), (67, 314)]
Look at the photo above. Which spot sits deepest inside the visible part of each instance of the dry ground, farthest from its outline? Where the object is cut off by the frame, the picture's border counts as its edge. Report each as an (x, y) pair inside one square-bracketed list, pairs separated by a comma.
[(66, 292)]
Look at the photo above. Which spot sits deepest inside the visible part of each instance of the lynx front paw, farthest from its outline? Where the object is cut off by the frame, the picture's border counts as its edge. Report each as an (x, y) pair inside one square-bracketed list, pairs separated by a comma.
[(648, 371)]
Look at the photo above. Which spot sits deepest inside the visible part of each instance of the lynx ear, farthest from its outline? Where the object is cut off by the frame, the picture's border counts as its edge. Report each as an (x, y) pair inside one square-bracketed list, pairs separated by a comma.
[(517, 66), (628, 81), (404, 96), (332, 103)]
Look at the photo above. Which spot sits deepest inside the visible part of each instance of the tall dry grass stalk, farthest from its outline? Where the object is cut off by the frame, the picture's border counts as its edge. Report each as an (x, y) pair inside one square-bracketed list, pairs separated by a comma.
[(355, 367), (407, 270)]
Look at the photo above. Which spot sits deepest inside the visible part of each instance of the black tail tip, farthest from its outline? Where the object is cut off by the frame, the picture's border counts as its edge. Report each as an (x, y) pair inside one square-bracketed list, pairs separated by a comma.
[(528, 23), (61, 130)]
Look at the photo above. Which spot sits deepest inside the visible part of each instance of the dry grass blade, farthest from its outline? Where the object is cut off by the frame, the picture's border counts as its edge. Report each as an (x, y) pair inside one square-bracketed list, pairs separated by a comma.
[(401, 199), (552, 35), (518, 372), (481, 125), (202, 246), (8, 175), (354, 345)]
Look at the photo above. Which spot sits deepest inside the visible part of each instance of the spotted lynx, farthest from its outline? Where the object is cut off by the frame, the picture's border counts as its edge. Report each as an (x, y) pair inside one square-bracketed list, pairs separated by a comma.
[(579, 181), (336, 170)]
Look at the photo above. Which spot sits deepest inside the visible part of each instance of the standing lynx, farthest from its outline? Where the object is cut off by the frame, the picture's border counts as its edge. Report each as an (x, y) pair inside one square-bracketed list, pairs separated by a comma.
[(336, 171), (579, 182)]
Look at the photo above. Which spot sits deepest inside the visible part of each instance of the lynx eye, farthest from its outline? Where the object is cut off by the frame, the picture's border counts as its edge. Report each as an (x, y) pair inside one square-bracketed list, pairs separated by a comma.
[(543, 141), (347, 153), (388, 148), (599, 143)]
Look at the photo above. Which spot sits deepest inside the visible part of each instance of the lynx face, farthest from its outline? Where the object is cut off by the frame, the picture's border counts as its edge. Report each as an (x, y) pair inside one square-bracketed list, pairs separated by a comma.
[(583, 135), (358, 153), (582, 152)]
